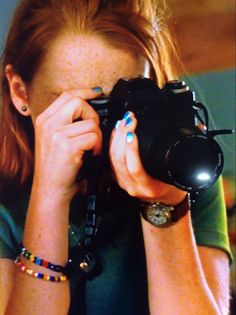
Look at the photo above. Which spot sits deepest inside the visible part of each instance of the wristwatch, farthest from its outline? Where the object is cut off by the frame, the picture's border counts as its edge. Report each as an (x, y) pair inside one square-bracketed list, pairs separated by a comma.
[(159, 214)]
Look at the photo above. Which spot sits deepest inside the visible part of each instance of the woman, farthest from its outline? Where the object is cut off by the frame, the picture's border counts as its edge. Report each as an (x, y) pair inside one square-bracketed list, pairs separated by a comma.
[(59, 55)]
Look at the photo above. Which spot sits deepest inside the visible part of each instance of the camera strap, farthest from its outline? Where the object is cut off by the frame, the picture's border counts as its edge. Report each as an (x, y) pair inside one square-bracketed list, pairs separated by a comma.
[(83, 258), (90, 260)]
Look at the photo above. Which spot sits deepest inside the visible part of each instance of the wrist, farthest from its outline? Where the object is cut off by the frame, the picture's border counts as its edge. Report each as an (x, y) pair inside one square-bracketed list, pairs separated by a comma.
[(48, 201), (47, 191), (173, 197)]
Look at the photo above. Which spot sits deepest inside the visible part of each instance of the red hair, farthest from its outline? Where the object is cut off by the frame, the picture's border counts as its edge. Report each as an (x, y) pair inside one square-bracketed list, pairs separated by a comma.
[(133, 24)]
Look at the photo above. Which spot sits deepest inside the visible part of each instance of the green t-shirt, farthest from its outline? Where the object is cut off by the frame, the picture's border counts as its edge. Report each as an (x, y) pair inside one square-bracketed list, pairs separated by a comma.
[(121, 288)]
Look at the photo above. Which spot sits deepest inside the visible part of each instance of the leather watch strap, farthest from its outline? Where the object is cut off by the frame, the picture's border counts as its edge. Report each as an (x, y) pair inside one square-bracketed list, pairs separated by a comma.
[(181, 209)]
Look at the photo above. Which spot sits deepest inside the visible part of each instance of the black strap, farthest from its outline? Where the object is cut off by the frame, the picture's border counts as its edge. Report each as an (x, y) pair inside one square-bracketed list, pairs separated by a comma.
[(83, 258)]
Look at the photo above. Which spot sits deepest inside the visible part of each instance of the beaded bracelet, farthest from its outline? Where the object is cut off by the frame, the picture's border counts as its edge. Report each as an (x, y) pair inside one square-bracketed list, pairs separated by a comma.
[(39, 275), (41, 262)]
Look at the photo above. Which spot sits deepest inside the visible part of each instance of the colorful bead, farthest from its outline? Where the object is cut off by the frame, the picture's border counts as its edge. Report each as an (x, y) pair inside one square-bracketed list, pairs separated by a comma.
[(29, 271), (32, 258), (27, 255), (46, 277), (40, 262), (39, 275), (37, 261), (63, 278), (45, 264)]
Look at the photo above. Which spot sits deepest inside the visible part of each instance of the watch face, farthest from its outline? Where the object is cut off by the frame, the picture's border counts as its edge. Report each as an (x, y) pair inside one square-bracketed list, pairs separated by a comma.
[(158, 217)]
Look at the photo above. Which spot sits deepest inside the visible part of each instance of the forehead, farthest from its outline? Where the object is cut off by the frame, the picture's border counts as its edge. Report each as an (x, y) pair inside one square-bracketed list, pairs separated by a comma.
[(84, 62)]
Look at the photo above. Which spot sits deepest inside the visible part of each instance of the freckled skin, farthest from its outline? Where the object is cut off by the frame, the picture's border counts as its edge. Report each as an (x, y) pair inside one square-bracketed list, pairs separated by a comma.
[(75, 62)]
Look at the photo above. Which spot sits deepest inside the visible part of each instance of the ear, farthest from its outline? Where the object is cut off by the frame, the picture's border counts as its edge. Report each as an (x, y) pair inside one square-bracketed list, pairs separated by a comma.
[(18, 91)]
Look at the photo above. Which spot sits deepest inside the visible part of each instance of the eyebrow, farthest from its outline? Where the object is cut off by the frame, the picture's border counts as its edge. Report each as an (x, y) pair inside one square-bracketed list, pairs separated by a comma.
[(58, 93)]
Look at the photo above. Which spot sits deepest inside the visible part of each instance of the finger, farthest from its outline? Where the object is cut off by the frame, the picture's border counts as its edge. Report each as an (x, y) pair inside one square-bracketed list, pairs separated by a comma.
[(90, 141), (117, 147), (81, 127), (85, 94), (118, 150), (118, 136), (147, 187), (121, 123), (132, 155), (133, 161), (76, 108)]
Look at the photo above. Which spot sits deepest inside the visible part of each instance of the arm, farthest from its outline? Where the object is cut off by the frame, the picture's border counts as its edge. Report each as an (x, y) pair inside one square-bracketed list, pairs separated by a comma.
[(215, 264), (178, 282), (7, 271), (47, 236), (60, 139)]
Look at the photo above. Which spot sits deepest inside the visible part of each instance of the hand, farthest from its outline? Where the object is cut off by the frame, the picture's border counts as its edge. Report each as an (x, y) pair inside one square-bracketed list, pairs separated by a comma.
[(60, 142), (128, 169)]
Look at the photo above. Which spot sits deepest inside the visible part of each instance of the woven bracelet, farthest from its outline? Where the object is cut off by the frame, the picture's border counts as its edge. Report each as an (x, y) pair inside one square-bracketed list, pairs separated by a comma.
[(39, 275), (41, 262)]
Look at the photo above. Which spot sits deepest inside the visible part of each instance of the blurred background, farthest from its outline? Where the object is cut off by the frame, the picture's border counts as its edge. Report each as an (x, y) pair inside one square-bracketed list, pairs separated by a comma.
[(205, 34)]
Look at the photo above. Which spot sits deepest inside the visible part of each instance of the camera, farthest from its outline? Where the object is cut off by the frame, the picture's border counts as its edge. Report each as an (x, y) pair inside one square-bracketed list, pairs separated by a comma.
[(175, 143)]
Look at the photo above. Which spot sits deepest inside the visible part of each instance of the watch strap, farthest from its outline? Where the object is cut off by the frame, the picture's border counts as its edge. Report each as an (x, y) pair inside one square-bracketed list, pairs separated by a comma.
[(181, 209), (173, 213)]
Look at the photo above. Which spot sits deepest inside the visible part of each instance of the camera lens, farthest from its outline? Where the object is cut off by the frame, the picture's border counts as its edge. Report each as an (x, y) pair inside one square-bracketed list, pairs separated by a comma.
[(194, 162)]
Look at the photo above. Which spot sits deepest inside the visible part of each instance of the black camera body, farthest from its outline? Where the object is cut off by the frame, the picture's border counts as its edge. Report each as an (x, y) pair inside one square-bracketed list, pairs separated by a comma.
[(175, 144)]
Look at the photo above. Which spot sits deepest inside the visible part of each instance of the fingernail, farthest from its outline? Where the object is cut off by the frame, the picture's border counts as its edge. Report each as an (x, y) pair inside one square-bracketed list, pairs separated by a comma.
[(130, 137), (117, 124), (128, 121), (97, 89), (126, 115)]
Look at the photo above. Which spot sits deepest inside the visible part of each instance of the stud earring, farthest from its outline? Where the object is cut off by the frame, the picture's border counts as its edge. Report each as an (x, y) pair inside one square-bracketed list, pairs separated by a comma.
[(24, 108)]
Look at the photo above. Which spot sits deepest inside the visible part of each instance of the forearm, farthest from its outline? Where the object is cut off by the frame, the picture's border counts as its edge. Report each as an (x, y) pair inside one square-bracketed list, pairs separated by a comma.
[(46, 236), (176, 280)]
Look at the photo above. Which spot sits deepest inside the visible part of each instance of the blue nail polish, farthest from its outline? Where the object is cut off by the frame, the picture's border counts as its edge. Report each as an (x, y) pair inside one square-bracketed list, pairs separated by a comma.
[(130, 137), (97, 89), (117, 124), (129, 121), (126, 115)]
